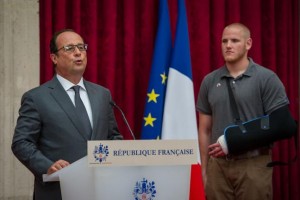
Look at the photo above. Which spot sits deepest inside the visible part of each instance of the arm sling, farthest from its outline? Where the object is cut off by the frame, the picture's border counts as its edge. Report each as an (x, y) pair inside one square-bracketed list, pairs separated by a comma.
[(259, 132)]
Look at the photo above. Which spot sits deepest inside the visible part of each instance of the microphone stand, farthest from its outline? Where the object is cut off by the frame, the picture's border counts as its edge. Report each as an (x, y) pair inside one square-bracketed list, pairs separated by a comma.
[(124, 118)]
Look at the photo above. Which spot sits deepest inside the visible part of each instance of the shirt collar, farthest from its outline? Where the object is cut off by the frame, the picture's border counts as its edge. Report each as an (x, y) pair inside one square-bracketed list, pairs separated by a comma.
[(67, 84), (248, 72)]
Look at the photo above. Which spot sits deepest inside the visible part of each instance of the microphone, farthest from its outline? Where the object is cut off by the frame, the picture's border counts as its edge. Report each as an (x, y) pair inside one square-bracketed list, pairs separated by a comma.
[(123, 116)]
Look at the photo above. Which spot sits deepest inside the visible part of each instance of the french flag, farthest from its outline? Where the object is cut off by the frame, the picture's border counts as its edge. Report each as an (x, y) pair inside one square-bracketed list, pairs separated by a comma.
[(179, 116)]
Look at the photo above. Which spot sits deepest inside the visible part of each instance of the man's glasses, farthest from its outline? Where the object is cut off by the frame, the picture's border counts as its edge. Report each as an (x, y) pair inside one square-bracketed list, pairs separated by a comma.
[(71, 48)]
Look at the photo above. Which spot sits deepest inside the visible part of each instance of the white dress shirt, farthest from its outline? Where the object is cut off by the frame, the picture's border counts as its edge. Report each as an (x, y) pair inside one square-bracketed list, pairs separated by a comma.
[(67, 85)]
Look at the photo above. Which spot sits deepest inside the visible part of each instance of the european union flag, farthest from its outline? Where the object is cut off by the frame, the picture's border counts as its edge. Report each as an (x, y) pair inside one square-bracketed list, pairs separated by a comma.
[(153, 113)]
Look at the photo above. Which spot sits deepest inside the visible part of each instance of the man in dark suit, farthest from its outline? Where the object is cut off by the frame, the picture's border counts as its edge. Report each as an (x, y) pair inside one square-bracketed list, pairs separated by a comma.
[(50, 134)]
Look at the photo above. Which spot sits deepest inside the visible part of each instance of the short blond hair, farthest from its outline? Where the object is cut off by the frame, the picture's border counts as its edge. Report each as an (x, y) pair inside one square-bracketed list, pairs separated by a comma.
[(241, 26)]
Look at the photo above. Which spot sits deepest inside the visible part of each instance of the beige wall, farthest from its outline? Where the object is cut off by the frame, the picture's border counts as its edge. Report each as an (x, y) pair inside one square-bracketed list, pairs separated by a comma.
[(19, 71)]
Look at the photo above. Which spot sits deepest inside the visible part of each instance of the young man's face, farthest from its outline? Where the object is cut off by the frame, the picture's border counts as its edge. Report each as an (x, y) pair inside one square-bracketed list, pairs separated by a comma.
[(235, 44)]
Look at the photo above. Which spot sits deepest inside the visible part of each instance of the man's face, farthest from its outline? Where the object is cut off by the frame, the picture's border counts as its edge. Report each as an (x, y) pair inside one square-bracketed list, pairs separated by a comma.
[(69, 64), (235, 44)]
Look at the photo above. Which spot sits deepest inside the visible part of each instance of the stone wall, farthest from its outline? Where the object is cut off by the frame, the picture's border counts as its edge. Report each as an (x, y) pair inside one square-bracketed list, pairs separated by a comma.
[(19, 71)]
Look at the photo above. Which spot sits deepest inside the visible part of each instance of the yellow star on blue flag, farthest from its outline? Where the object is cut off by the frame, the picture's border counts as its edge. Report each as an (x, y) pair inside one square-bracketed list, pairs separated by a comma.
[(149, 120), (152, 96)]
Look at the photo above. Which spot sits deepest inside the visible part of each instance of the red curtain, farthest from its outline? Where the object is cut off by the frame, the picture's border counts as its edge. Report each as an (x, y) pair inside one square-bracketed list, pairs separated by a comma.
[(121, 34)]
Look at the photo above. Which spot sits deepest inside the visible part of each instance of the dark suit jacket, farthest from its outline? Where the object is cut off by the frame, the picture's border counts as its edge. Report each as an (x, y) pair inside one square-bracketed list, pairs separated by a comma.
[(48, 130)]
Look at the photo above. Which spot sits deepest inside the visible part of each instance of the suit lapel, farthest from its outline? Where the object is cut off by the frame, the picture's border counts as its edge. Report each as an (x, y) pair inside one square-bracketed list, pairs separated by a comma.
[(95, 104), (64, 101)]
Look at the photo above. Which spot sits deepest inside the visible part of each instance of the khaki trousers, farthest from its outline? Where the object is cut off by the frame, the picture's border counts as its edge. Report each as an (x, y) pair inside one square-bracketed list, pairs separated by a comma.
[(243, 179)]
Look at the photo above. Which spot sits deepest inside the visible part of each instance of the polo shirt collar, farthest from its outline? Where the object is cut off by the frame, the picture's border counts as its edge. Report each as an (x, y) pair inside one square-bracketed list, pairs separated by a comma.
[(248, 72)]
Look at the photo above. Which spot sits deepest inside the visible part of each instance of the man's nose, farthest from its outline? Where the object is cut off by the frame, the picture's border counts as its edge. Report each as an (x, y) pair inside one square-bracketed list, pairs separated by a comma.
[(77, 51)]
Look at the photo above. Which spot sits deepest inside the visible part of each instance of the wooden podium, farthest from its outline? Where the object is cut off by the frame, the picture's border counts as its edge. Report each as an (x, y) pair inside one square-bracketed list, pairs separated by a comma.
[(137, 170)]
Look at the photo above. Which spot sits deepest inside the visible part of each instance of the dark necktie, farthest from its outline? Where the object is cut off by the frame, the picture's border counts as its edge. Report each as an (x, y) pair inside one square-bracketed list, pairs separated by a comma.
[(81, 112)]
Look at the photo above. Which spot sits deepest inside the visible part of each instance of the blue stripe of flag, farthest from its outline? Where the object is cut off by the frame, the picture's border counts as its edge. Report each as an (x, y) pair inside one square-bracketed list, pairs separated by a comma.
[(181, 53)]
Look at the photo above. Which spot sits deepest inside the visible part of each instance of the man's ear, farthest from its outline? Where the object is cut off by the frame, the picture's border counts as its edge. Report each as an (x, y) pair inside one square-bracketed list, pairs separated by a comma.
[(249, 44), (53, 57)]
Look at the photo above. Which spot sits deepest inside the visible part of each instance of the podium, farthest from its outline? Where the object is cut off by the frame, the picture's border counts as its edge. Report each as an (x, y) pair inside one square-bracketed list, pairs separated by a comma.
[(137, 170)]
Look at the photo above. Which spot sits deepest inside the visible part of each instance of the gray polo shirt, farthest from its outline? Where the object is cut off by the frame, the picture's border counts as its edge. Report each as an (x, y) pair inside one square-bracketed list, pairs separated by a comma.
[(257, 92)]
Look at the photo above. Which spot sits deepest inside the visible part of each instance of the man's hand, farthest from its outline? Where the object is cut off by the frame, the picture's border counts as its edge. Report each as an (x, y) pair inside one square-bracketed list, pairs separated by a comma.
[(215, 150), (57, 166)]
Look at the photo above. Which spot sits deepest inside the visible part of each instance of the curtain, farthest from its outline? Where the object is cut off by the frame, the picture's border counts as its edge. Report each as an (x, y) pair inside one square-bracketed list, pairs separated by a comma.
[(121, 35)]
